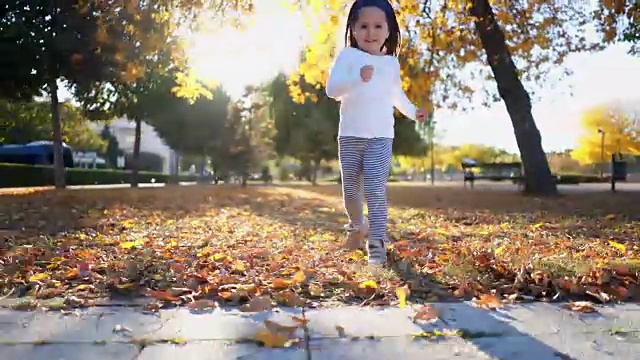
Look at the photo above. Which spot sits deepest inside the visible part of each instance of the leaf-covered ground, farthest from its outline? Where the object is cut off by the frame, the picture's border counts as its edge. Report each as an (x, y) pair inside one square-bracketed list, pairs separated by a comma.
[(209, 245)]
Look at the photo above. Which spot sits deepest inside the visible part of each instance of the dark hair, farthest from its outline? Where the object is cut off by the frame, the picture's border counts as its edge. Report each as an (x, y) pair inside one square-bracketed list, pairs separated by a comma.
[(392, 43)]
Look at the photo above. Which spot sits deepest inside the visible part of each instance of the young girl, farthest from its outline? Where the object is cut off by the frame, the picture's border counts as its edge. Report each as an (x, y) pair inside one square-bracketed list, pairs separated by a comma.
[(365, 78)]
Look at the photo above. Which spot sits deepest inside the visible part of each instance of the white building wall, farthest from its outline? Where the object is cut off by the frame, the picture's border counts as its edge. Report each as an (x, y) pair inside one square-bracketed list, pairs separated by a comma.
[(124, 130)]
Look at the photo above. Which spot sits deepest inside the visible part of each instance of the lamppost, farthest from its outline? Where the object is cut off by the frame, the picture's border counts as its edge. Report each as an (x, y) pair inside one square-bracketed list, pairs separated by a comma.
[(602, 163)]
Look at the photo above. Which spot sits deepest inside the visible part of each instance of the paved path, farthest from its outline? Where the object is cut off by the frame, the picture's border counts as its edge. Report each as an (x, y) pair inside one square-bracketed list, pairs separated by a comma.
[(534, 331), (479, 185)]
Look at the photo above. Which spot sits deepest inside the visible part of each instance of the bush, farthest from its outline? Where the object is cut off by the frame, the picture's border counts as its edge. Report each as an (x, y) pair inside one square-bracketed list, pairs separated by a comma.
[(19, 175), (147, 161), (574, 179)]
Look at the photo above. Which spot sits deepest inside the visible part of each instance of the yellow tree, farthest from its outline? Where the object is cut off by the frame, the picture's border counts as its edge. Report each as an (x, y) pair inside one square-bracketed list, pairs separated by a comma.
[(449, 43), (479, 153), (607, 130)]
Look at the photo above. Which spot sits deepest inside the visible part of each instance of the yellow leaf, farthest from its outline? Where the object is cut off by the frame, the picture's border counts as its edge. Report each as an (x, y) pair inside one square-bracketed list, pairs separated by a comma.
[(219, 256), (618, 246), (316, 290), (500, 249), (39, 277), (240, 266), (131, 244), (300, 277), (368, 284), (402, 294)]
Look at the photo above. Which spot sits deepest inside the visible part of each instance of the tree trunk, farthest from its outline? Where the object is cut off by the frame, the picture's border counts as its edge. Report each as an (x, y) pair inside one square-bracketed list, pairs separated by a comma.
[(136, 153), (58, 158), (314, 171), (538, 178)]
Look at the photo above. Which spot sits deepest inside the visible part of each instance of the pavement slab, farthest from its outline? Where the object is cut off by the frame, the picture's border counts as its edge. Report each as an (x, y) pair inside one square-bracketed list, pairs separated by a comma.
[(68, 352), (535, 331)]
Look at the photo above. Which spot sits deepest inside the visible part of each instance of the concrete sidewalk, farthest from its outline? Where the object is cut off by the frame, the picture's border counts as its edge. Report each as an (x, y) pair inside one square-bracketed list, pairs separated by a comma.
[(534, 331)]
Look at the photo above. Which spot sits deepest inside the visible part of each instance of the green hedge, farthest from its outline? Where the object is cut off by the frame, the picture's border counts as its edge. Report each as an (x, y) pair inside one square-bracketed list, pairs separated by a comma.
[(573, 179), (18, 175)]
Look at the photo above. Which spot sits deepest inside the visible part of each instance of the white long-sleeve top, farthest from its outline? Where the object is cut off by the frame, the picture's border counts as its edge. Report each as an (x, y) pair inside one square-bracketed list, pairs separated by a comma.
[(366, 108)]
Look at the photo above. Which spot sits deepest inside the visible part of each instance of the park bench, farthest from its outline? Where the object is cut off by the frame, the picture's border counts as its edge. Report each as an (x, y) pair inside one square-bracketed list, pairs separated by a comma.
[(497, 171)]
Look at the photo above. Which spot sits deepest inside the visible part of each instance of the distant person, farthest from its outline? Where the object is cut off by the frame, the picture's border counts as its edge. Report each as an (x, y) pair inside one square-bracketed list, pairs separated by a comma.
[(365, 78)]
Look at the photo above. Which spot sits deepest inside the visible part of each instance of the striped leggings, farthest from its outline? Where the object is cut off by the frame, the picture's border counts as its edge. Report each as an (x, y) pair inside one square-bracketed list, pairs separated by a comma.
[(364, 164)]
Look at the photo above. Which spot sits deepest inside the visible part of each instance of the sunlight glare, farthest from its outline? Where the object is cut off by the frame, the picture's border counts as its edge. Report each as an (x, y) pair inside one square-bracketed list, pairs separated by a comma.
[(236, 58)]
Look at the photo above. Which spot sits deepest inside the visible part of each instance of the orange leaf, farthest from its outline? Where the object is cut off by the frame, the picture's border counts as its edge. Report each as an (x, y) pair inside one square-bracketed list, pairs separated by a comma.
[(273, 340), (427, 313), (72, 274), (300, 321), (279, 283), (161, 295), (580, 306), (490, 302), (279, 328), (202, 304)]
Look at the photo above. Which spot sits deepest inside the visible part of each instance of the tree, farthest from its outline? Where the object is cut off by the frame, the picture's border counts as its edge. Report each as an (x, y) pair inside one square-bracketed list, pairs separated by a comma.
[(27, 121), (480, 153), (445, 44), (632, 32), (608, 129), (48, 42), (190, 128), (562, 162), (86, 45), (306, 131)]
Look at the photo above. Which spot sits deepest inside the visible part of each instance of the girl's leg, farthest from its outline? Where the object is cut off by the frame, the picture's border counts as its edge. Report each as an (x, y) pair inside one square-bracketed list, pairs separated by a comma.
[(377, 162), (350, 153)]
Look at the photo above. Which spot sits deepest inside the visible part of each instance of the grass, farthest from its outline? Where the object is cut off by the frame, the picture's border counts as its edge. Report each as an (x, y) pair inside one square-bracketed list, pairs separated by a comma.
[(228, 244)]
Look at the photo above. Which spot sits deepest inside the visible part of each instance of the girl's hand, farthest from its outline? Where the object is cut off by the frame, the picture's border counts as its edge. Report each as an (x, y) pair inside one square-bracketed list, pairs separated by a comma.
[(366, 72), (420, 115)]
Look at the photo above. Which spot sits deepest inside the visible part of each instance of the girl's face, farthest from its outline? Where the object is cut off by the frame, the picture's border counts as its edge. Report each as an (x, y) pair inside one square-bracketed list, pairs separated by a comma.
[(371, 30)]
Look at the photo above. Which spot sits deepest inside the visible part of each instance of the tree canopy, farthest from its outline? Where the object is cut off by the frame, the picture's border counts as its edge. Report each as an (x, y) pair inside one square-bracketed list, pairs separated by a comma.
[(24, 122), (616, 125)]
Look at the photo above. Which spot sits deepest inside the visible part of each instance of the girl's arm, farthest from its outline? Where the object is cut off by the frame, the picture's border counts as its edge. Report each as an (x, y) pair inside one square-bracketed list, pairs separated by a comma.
[(400, 100), (342, 76)]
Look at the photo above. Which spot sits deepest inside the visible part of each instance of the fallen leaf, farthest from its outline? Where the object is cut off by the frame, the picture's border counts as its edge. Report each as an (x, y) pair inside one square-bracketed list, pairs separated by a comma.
[(39, 277), (426, 313), (580, 306), (289, 298), (203, 304), (257, 304), (273, 340), (368, 284), (618, 246), (403, 293), (280, 284), (490, 302), (300, 321), (316, 290), (300, 277), (279, 328), (162, 295)]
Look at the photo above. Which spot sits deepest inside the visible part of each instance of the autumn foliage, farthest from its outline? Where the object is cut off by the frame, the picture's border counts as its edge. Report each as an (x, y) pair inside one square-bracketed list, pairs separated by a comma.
[(615, 127), (257, 247)]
